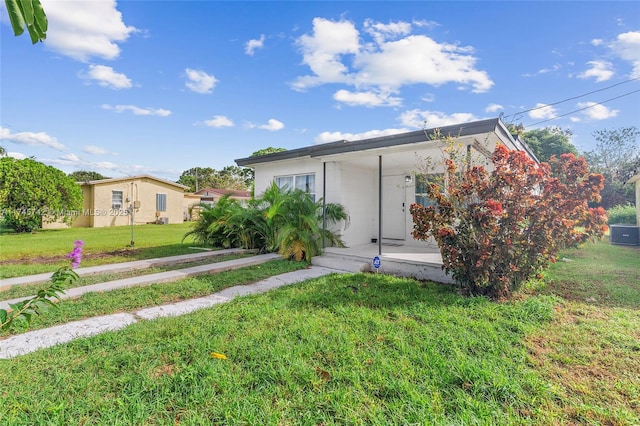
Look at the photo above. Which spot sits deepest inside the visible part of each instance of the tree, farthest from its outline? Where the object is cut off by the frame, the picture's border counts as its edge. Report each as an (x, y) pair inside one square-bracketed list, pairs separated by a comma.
[(3, 152), (265, 151), (86, 176), (32, 192), (29, 13), (617, 157), (498, 229), (549, 141), (231, 177)]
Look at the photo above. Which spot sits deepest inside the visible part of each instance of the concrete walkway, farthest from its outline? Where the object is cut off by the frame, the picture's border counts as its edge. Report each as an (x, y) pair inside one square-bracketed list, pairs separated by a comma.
[(38, 339), (123, 267), (160, 277)]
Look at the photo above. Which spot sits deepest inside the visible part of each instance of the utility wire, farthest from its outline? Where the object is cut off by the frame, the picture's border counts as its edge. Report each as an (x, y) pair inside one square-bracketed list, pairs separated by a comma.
[(572, 98), (582, 109)]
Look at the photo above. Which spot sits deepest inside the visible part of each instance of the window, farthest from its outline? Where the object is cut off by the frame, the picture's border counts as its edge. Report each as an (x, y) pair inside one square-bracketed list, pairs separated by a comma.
[(116, 200), (421, 187), (306, 183), (161, 202)]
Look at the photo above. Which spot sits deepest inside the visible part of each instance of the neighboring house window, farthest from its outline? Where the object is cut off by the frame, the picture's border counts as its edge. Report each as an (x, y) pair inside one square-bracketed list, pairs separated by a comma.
[(306, 183), (421, 187), (161, 202), (116, 200)]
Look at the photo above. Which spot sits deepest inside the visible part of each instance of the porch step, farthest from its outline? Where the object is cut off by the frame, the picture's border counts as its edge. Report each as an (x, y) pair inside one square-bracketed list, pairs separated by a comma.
[(341, 262)]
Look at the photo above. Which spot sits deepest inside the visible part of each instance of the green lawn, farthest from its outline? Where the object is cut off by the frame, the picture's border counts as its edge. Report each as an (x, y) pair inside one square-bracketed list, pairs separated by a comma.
[(44, 251), (358, 349)]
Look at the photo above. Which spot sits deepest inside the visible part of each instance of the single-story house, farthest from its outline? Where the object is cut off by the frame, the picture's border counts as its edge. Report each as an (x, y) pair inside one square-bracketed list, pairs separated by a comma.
[(211, 195), (375, 179), (113, 202)]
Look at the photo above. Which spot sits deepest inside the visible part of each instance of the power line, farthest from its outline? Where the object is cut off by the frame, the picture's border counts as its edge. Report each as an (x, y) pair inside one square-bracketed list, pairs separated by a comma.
[(572, 98), (582, 109)]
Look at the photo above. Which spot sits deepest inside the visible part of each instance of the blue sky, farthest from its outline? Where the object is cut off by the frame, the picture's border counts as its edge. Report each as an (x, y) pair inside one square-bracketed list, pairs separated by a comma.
[(158, 87)]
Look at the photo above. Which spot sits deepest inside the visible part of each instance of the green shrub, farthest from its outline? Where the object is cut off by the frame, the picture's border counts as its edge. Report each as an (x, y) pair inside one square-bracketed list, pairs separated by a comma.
[(622, 214)]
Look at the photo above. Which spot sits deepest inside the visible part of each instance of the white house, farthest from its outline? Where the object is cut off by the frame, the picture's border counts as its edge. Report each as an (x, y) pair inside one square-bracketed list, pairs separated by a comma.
[(375, 179)]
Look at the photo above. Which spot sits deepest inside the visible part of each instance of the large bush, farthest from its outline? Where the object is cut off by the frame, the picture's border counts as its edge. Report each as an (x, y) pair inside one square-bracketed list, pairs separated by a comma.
[(498, 229), (32, 192), (622, 214), (288, 222)]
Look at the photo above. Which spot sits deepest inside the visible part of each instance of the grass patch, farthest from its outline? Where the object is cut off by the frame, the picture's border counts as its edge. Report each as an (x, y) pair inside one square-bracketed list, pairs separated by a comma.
[(590, 353), (31, 289), (356, 349), (121, 300), (44, 251)]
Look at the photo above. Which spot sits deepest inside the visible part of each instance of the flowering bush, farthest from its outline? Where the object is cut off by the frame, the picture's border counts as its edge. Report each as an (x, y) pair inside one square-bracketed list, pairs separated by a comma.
[(498, 229), (22, 312)]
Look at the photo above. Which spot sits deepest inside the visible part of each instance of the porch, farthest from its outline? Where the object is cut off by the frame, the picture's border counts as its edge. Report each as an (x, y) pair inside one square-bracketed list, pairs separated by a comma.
[(422, 263)]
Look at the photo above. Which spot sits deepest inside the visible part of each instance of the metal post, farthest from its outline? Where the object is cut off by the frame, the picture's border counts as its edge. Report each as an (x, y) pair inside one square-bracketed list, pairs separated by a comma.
[(324, 202), (379, 204)]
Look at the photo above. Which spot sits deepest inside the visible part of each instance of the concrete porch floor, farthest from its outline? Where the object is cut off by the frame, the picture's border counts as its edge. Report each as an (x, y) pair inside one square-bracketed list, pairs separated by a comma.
[(423, 263)]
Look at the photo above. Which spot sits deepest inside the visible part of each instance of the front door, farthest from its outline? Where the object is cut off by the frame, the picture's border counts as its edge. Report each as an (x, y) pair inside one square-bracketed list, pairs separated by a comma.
[(393, 207)]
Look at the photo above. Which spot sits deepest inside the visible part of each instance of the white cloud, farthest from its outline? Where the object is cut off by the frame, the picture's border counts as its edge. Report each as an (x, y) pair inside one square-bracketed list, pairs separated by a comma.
[(137, 110), (96, 150), (16, 155), (491, 108), (219, 121), (70, 157), (85, 29), (335, 54), (272, 125), (543, 112), (369, 99), (554, 68), (251, 46), (30, 138), (432, 119), (599, 70), (595, 111), (199, 81), (107, 77), (326, 137), (627, 47)]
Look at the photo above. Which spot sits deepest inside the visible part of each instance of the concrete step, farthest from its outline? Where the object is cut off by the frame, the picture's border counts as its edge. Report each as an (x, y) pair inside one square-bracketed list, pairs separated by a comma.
[(341, 263)]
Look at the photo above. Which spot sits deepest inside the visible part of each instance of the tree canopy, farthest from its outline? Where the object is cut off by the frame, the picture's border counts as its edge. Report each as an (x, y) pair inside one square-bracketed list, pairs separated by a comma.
[(32, 192), (617, 157), (265, 151), (86, 176), (549, 141), (231, 177)]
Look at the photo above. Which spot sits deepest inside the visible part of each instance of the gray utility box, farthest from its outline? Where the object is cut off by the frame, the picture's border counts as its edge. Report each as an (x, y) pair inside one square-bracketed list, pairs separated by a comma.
[(624, 234)]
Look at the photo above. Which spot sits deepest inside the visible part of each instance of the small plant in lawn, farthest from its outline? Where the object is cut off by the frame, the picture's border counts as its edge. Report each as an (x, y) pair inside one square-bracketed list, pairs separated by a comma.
[(498, 229), (22, 312)]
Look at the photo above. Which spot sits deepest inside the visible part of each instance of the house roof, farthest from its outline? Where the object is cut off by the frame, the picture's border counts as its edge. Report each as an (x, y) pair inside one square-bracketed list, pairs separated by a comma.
[(221, 192), (130, 178), (345, 146)]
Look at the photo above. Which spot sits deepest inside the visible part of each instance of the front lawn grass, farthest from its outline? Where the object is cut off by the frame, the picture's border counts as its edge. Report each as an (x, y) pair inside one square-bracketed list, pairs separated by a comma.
[(355, 349), (44, 251)]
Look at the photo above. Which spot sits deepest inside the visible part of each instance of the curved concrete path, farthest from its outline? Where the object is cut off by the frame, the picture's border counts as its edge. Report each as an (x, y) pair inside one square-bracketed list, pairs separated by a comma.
[(38, 339)]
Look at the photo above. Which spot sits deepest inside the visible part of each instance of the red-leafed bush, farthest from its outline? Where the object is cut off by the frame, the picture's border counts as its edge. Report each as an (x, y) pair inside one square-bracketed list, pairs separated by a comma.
[(498, 229)]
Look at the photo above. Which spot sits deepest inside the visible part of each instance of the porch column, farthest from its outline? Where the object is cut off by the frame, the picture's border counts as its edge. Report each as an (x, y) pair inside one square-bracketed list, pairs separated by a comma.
[(324, 202), (379, 204)]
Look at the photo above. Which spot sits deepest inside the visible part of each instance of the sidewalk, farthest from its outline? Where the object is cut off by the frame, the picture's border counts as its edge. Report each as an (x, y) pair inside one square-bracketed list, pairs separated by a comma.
[(38, 339)]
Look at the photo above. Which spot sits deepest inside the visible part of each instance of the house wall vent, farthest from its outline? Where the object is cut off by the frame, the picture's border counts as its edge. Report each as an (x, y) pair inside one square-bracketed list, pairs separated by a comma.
[(624, 234)]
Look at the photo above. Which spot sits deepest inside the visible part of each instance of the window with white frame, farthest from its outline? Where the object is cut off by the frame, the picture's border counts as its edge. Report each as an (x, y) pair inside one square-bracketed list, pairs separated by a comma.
[(161, 202), (422, 180), (116, 200), (304, 182)]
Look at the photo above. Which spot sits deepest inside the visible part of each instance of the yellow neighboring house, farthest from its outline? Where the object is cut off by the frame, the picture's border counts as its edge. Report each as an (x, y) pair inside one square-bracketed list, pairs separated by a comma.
[(112, 202), (636, 181)]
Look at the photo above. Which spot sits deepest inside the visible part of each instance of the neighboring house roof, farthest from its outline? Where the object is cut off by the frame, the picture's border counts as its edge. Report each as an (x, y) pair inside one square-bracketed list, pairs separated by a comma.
[(222, 192), (130, 178), (345, 146)]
